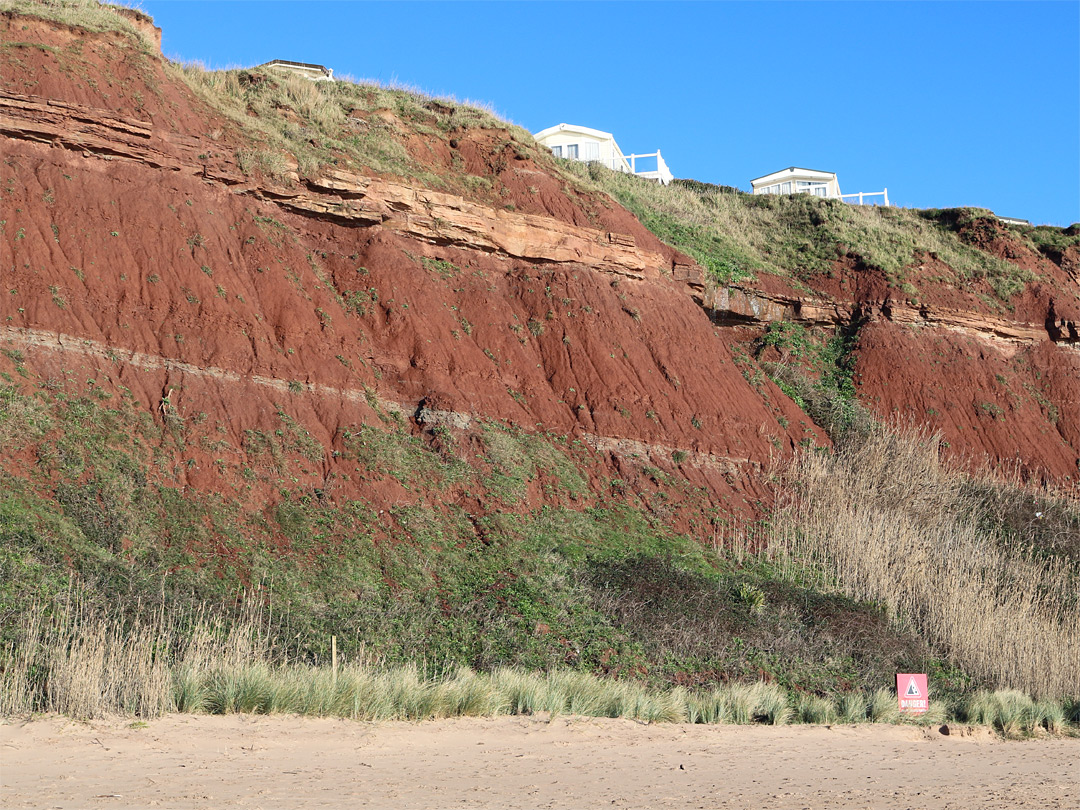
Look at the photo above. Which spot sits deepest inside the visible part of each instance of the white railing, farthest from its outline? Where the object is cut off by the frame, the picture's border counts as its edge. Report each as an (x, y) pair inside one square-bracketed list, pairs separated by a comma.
[(862, 195), (661, 173), (861, 198)]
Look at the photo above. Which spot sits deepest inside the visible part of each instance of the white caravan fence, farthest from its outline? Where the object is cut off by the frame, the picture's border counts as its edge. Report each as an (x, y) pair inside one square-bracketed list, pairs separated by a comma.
[(819, 190), (862, 198), (661, 172)]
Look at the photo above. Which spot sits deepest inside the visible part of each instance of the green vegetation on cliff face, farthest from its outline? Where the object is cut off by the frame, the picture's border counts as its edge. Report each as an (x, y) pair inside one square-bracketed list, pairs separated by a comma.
[(817, 372), (92, 498), (585, 582), (92, 511)]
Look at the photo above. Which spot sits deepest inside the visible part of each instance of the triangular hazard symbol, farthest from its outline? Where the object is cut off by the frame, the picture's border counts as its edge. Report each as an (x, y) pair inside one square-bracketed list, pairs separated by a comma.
[(912, 689)]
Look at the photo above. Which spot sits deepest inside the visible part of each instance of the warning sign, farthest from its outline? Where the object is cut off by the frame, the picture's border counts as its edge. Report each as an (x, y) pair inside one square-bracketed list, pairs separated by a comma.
[(912, 693)]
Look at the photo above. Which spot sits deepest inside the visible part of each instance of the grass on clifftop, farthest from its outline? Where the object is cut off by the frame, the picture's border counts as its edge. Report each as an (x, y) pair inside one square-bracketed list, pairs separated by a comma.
[(736, 235), (342, 124), (86, 14), (287, 123)]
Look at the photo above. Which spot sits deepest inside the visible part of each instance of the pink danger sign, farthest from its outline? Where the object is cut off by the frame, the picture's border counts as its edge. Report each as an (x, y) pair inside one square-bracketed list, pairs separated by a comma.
[(912, 693)]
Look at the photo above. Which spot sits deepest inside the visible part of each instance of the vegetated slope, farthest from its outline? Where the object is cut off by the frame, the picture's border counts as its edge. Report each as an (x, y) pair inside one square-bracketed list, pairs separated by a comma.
[(386, 364)]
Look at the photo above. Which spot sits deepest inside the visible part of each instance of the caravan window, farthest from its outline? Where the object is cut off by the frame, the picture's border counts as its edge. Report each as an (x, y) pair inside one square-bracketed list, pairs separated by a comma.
[(590, 151), (571, 151), (556, 151), (808, 187)]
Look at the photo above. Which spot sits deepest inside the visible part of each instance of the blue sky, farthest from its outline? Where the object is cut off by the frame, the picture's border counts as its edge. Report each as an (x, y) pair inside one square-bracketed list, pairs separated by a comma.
[(946, 104)]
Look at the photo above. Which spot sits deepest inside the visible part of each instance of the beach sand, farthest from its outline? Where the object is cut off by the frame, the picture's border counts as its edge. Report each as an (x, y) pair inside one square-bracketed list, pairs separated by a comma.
[(246, 761)]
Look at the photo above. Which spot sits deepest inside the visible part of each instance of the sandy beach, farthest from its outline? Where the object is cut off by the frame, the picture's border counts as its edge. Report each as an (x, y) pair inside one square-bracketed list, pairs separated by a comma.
[(193, 761)]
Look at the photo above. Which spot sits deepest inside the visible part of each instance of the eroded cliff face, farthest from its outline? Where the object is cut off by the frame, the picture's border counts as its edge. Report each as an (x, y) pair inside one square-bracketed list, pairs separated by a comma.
[(1000, 380), (140, 261)]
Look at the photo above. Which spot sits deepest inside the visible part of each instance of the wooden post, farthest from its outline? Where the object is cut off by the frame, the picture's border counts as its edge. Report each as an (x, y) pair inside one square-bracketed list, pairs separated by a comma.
[(333, 657)]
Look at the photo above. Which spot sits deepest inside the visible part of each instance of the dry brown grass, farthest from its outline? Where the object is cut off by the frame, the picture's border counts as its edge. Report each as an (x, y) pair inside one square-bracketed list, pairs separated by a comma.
[(83, 664), (88, 14), (886, 521), (77, 662), (355, 125), (73, 660)]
